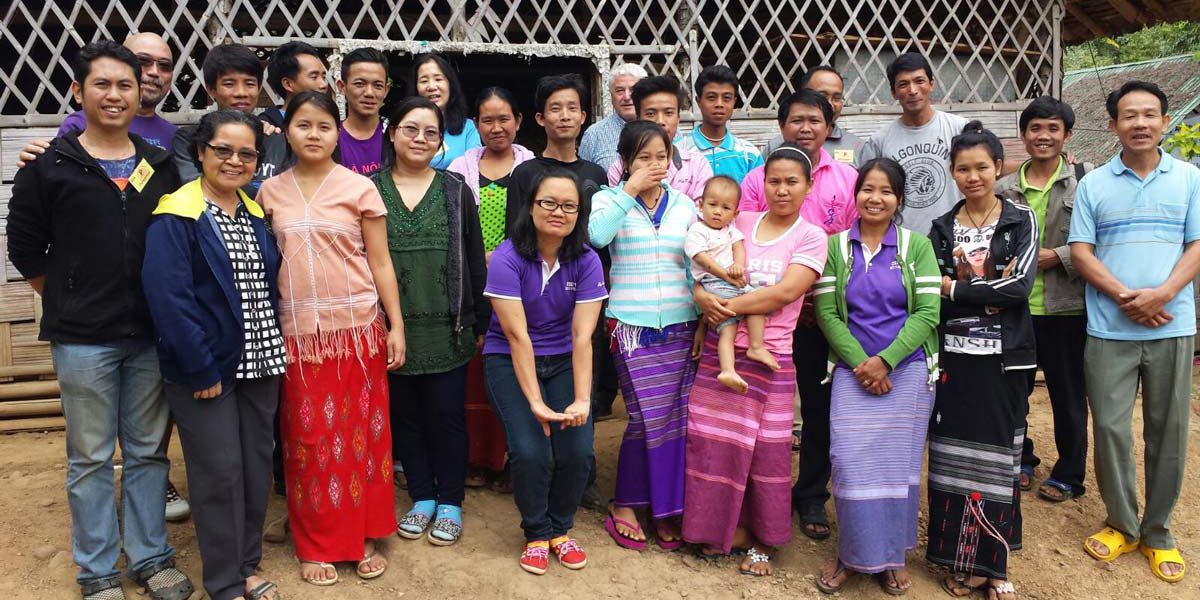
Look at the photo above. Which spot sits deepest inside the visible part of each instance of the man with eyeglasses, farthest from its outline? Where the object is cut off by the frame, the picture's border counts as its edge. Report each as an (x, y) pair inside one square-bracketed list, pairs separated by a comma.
[(843, 146)]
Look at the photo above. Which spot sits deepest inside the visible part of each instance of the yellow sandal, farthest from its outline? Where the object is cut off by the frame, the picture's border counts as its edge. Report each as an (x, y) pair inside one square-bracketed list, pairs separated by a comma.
[(1113, 540), (1157, 557)]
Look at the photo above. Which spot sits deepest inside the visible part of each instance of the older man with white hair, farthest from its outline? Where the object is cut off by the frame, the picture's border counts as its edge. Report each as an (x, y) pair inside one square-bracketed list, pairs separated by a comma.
[(599, 144)]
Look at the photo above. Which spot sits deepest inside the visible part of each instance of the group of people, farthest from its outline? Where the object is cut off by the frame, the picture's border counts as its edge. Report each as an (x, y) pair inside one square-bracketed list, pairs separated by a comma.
[(415, 296)]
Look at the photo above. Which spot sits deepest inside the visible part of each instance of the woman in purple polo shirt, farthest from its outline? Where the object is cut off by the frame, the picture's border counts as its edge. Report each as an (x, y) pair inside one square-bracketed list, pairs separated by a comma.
[(546, 286)]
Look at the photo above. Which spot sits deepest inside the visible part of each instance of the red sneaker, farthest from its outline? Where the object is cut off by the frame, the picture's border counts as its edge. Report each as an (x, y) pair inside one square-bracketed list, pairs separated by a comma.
[(536, 558), (570, 554)]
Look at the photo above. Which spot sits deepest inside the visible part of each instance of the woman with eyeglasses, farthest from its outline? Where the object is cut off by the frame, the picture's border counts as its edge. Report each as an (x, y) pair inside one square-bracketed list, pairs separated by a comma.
[(209, 277), (436, 249), (343, 329)]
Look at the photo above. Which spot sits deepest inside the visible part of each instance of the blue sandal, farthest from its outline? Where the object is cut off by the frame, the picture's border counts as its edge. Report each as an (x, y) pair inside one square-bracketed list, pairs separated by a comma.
[(447, 528), (412, 525), (1065, 490)]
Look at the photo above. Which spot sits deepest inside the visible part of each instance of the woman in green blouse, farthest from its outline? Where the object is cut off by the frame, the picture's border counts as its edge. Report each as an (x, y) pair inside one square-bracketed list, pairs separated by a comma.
[(437, 250)]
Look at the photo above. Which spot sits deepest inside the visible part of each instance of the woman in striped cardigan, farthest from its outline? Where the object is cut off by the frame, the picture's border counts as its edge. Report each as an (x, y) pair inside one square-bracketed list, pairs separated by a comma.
[(651, 317), (878, 304)]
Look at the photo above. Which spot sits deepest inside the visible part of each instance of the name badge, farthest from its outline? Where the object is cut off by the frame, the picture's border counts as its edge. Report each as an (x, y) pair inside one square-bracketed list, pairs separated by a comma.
[(141, 175), (844, 155)]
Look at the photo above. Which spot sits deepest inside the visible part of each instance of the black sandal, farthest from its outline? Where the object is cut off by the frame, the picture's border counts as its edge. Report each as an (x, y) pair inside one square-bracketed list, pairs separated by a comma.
[(891, 585), (814, 516), (261, 590), (833, 589)]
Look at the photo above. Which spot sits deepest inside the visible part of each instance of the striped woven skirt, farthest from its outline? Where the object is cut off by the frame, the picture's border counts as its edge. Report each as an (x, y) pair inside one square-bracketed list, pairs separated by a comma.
[(975, 441), (739, 469), (487, 445), (655, 372), (876, 447)]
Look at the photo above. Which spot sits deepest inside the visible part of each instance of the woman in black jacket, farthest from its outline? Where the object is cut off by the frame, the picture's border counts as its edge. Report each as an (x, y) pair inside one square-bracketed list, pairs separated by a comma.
[(987, 250), (437, 250)]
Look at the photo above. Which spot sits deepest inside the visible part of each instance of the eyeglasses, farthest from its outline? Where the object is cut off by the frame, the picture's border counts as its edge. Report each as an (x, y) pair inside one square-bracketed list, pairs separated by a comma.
[(550, 206), (412, 131), (164, 64), (226, 153)]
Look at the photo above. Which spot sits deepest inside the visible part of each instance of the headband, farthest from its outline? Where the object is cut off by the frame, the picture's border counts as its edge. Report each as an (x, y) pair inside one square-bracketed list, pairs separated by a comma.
[(797, 151)]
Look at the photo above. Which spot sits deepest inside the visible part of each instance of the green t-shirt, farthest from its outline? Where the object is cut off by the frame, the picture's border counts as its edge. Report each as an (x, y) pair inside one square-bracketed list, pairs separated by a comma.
[(419, 241), (1038, 200)]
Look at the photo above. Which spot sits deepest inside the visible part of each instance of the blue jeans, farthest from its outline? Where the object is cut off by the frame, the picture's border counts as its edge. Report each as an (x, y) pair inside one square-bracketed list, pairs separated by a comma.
[(549, 474), (113, 393)]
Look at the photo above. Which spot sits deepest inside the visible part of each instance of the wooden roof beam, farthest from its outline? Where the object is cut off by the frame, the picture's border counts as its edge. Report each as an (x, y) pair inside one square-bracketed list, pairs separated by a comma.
[(1158, 10), (1081, 15), (1128, 11)]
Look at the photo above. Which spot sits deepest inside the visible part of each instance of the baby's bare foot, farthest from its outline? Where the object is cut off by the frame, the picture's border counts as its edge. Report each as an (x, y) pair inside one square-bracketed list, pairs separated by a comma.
[(763, 356), (733, 381)]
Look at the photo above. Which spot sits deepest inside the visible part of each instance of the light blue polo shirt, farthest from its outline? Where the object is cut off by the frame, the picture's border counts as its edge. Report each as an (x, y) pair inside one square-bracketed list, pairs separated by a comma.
[(1139, 228), (734, 157)]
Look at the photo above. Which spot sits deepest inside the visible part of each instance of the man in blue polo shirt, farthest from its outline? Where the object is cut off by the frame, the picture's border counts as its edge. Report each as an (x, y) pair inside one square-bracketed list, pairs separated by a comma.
[(716, 97), (1133, 239)]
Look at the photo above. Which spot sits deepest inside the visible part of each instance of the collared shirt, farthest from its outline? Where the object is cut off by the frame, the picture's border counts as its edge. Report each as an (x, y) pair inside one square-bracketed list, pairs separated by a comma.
[(548, 295), (845, 147), (1139, 228), (599, 143), (734, 157), (876, 301), (1038, 200), (263, 353), (687, 173), (830, 202)]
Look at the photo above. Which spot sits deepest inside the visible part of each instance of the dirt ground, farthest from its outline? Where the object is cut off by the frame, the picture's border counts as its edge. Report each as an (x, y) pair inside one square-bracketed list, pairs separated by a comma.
[(35, 528)]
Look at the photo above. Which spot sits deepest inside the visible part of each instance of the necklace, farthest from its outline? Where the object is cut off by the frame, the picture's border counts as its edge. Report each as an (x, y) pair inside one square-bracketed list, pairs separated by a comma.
[(985, 217), (715, 142)]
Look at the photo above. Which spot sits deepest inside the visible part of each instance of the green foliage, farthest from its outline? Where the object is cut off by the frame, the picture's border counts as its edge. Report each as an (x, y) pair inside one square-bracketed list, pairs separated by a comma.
[(1186, 141), (1167, 39)]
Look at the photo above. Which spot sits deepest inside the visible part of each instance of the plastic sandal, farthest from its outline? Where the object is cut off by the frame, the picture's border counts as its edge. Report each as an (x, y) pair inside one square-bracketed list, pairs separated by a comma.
[(1157, 557), (366, 560), (1027, 471), (815, 515), (1113, 540), (323, 565), (1066, 490), (832, 589), (447, 528), (165, 582), (413, 524), (668, 545), (887, 584), (610, 525), (995, 590), (261, 590), (756, 557)]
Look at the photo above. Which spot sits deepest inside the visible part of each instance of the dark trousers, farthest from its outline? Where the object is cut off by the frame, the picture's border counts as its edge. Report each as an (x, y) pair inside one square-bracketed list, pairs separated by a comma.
[(429, 433), (810, 353), (550, 473), (227, 448), (1060, 344)]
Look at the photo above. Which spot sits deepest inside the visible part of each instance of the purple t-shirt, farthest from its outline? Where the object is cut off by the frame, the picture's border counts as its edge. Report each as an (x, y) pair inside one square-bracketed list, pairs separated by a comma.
[(549, 300), (154, 129), (361, 156), (876, 302)]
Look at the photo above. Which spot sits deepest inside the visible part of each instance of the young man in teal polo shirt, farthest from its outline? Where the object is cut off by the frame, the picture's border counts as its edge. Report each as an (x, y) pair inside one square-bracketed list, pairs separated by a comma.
[(716, 97), (1133, 239)]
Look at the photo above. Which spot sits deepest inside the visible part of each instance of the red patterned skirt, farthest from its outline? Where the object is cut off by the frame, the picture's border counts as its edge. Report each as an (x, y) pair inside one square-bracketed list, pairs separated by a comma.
[(337, 452)]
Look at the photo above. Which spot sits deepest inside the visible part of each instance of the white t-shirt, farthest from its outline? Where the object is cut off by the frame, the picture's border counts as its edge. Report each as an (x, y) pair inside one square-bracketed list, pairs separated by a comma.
[(718, 243)]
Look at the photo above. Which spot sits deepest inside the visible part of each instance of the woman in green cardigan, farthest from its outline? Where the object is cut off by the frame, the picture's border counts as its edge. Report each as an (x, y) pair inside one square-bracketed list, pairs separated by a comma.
[(878, 303)]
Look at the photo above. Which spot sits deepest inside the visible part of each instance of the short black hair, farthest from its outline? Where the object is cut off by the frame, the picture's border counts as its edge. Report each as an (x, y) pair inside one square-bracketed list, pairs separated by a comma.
[(792, 152), (552, 83), (909, 61), (634, 136), (207, 128), (363, 55), (895, 176), (716, 74), (497, 92), (284, 63), (523, 233), (721, 180), (806, 97), (455, 117), (412, 103), (81, 66), (227, 58), (321, 102), (974, 134), (808, 75), (1134, 86), (656, 84), (1047, 107)]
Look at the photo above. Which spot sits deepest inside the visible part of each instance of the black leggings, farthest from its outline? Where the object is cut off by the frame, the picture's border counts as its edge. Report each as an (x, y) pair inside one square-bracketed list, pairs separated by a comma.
[(429, 433)]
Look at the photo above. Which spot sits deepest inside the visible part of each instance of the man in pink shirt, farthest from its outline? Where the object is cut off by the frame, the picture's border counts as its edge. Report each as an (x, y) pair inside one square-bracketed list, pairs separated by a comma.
[(658, 99), (804, 120)]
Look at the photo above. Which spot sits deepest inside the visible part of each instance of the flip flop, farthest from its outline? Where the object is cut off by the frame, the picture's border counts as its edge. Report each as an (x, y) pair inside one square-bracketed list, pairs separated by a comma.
[(610, 525), (366, 561), (1158, 556), (756, 557), (832, 589), (888, 587), (1029, 473), (1067, 492), (1113, 540), (668, 545), (323, 565), (959, 588)]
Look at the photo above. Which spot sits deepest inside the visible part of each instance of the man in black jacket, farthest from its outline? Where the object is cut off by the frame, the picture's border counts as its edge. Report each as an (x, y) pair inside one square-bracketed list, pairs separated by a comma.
[(76, 232)]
